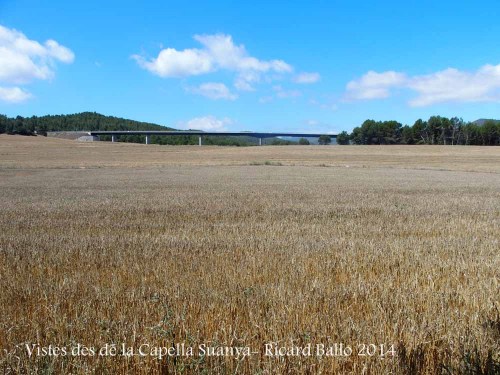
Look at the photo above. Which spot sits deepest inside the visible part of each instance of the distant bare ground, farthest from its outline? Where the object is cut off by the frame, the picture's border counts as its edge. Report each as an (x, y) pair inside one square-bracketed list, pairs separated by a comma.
[(215, 246), (40, 152)]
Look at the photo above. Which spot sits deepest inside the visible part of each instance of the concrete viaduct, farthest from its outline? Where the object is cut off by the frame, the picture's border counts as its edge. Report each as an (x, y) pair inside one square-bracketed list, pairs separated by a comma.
[(259, 135)]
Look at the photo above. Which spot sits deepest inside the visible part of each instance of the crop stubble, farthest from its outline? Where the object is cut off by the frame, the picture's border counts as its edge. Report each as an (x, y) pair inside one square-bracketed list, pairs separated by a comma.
[(388, 251)]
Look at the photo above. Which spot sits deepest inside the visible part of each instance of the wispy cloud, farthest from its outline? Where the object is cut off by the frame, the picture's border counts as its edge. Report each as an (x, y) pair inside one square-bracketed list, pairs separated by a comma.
[(307, 78), (266, 99), (282, 93), (213, 90), (313, 125), (329, 104)]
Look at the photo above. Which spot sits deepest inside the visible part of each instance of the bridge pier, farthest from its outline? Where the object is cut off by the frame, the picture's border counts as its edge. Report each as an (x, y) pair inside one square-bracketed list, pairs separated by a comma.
[(261, 136)]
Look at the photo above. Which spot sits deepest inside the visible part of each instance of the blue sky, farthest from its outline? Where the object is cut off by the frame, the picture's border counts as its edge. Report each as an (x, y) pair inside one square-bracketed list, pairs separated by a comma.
[(222, 65)]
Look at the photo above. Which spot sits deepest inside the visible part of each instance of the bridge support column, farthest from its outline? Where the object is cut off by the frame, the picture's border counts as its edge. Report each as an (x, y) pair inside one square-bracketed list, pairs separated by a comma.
[(148, 141), (260, 141), (199, 140), (113, 138)]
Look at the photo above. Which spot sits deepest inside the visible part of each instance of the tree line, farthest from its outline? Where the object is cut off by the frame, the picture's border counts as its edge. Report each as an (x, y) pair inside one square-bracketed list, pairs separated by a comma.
[(76, 122), (436, 130), (94, 121)]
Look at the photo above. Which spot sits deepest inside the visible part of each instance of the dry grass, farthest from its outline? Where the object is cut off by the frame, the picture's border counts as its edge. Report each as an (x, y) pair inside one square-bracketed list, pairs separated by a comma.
[(39, 152), (181, 245)]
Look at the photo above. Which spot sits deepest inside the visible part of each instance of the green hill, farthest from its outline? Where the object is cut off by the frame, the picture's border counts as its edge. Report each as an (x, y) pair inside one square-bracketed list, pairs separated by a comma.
[(94, 121), (74, 122)]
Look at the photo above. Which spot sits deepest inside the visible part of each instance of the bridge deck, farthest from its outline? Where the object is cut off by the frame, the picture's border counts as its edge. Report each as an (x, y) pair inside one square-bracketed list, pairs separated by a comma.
[(201, 133)]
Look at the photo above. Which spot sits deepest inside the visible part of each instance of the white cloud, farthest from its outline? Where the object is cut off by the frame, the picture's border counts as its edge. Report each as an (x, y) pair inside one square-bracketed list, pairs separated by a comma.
[(213, 90), (173, 63), (218, 52), (59, 52), (449, 85), (207, 123), (13, 94), (452, 85), (375, 85), (306, 78), (229, 56), (23, 60)]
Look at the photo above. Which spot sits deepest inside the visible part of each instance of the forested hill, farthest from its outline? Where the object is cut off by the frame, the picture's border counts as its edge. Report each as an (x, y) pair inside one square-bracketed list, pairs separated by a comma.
[(482, 121), (95, 121), (78, 121)]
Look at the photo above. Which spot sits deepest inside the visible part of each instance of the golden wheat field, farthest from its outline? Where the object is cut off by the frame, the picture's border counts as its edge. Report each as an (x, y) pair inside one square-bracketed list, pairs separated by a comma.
[(118, 258)]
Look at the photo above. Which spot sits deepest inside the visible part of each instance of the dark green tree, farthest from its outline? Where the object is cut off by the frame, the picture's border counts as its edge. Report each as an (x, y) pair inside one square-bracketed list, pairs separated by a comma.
[(343, 138), (407, 136), (437, 128), (324, 140), (421, 132), (304, 141), (3, 123), (20, 126), (389, 132), (471, 134), (490, 133), (356, 136)]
